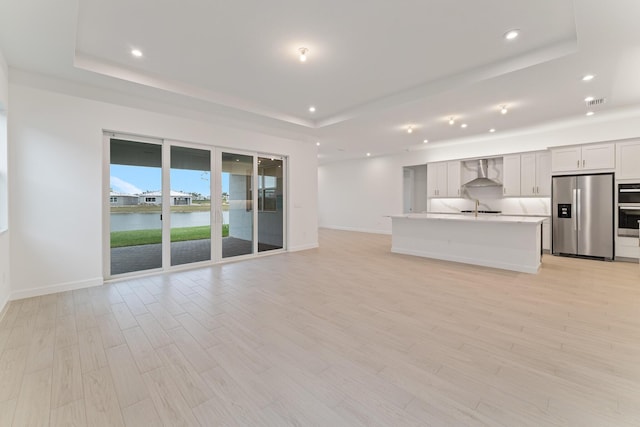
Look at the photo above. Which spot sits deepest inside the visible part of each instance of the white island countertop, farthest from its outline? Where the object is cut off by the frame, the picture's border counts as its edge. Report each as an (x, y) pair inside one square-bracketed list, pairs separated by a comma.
[(471, 217), (491, 240)]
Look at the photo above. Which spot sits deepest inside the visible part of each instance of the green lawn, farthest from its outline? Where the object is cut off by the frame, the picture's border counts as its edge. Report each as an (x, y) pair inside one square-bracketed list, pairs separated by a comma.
[(147, 237)]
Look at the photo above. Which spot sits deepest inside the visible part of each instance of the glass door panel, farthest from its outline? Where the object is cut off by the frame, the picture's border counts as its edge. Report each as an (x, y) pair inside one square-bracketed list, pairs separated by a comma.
[(270, 204), (135, 202), (237, 204), (190, 205)]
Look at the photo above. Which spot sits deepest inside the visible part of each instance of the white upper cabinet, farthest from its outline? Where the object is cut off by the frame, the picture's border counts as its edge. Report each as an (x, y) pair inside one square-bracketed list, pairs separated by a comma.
[(443, 179), (511, 175), (598, 156), (628, 160), (543, 173), (583, 158), (437, 179), (528, 174), (535, 174), (453, 179), (566, 159)]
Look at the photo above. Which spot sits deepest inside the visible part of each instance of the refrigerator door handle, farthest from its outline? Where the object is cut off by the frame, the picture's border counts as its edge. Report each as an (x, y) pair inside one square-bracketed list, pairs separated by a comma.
[(574, 202), (578, 207)]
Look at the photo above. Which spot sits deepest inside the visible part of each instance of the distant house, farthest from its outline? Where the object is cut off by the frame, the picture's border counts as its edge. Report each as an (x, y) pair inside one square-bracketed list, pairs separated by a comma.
[(155, 198), (123, 199)]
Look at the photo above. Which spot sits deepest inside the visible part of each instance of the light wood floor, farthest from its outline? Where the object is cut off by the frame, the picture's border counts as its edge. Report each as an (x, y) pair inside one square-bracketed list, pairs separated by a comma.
[(348, 334)]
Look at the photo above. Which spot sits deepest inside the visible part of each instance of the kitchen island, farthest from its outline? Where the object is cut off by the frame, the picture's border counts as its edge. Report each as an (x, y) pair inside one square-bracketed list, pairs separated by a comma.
[(499, 241)]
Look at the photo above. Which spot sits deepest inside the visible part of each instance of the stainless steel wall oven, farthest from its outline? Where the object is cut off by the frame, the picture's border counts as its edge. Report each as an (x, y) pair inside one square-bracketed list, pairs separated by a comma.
[(628, 209)]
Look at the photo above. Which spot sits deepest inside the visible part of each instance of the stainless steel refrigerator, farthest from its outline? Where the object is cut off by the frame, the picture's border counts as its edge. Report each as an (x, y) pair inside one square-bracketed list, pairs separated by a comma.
[(582, 209)]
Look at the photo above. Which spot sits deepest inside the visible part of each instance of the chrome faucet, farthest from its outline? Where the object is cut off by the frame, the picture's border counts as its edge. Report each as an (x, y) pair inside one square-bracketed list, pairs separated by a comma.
[(476, 209)]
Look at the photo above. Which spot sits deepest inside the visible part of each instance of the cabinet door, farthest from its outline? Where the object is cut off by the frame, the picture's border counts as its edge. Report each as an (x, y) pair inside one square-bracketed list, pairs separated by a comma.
[(528, 174), (511, 179), (453, 179), (628, 160), (432, 180), (565, 159), (543, 174), (598, 156), (441, 179), (437, 179)]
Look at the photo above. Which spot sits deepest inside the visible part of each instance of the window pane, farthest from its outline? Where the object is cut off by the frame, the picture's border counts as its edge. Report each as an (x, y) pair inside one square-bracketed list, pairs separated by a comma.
[(270, 204), (237, 209), (190, 203), (136, 206)]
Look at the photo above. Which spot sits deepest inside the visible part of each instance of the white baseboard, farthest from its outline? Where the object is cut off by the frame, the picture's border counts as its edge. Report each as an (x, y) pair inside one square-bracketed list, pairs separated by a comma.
[(356, 229), (62, 287), (304, 247)]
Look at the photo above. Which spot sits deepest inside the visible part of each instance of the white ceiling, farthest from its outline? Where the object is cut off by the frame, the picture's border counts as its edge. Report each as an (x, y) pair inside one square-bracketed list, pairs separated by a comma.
[(374, 67)]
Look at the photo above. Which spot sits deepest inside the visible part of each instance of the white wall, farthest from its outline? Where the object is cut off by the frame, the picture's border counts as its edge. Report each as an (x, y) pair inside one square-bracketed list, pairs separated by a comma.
[(4, 232), (357, 194), (56, 179)]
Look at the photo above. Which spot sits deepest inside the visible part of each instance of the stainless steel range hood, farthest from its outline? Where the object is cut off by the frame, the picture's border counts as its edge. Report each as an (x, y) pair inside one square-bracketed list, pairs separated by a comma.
[(483, 180)]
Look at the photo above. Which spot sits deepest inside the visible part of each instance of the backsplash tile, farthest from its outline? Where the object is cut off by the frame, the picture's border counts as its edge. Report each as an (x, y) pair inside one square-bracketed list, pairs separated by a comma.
[(491, 200)]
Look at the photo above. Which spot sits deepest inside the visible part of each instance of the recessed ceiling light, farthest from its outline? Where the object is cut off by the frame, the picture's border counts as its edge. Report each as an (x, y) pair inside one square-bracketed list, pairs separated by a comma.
[(410, 129), (589, 99), (136, 52), (368, 154), (464, 125), (587, 77), (312, 109), (590, 113), (492, 130), (512, 34), (318, 143), (451, 120), (425, 141), (503, 109), (303, 54)]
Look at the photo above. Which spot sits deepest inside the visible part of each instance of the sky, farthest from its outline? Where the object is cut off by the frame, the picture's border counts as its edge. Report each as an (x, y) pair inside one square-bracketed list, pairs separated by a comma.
[(137, 179)]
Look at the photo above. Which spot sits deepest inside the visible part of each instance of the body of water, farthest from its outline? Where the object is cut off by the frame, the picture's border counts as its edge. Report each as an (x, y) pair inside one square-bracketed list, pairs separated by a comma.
[(147, 221)]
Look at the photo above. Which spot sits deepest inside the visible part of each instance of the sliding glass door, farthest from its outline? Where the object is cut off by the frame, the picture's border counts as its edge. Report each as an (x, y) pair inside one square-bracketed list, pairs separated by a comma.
[(190, 205), (236, 177), (270, 203), (135, 206), (162, 196)]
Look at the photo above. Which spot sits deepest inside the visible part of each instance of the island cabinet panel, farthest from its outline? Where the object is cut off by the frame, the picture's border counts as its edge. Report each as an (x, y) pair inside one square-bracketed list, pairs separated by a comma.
[(583, 158), (511, 173), (506, 242), (628, 160)]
